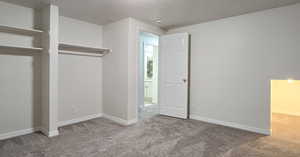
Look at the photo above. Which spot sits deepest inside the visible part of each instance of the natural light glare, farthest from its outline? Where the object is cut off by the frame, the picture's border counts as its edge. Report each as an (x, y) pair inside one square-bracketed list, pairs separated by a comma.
[(285, 96), (290, 81)]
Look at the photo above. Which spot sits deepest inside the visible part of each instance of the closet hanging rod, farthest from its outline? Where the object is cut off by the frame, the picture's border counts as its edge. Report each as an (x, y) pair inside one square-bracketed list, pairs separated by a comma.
[(82, 49), (80, 53)]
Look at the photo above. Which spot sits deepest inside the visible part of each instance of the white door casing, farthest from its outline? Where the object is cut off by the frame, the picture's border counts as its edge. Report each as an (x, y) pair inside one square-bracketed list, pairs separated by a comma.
[(173, 75), (155, 76)]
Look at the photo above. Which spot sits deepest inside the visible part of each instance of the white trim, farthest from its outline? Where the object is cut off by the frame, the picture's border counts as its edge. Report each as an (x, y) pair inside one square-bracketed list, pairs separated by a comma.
[(231, 124), (49, 133), (77, 120), (120, 120), (173, 112), (131, 122), (18, 133), (28, 131), (53, 133), (142, 27), (287, 113)]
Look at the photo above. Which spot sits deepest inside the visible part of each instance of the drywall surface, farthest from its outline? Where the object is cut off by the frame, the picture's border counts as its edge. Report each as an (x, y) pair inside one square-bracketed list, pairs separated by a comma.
[(19, 93), (115, 69), (13, 15), (79, 32), (234, 59), (285, 97), (20, 75), (80, 77)]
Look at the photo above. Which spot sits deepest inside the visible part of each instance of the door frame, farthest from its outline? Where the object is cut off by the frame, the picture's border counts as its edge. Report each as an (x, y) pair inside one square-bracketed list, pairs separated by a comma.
[(140, 86)]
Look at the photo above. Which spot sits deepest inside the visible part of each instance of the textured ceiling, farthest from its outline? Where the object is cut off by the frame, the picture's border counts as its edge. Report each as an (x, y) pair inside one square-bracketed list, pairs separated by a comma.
[(173, 13)]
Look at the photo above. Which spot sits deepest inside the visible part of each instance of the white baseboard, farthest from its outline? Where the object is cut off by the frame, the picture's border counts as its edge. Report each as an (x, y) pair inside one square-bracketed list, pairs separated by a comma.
[(133, 121), (287, 113), (120, 120), (44, 131), (18, 133), (231, 124), (64, 123), (77, 120), (53, 133), (49, 133)]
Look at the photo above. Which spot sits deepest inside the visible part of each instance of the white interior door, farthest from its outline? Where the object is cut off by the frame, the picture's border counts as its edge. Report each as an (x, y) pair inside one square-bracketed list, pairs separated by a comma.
[(173, 75)]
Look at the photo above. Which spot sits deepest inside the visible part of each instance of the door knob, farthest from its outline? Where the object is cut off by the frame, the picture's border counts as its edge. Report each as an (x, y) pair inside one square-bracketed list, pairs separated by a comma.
[(184, 80)]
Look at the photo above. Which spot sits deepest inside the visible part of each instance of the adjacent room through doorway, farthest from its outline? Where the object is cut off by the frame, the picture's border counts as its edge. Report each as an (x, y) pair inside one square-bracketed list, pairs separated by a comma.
[(285, 108), (149, 44)]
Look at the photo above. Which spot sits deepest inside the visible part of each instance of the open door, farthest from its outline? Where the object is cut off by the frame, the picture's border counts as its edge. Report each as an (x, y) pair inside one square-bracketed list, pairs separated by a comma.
[(173, 75)]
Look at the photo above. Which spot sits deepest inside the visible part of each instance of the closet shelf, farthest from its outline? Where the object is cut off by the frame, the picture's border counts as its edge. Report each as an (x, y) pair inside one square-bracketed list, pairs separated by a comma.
[(19, 30), (20, 48), (82, 50)]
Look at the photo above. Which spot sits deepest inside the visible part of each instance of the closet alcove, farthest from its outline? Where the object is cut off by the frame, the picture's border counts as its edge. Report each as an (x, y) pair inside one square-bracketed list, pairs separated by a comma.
[(30, 50)]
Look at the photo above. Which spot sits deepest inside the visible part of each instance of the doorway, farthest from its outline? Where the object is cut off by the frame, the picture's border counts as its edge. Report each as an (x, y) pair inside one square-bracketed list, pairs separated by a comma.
[(285, 109), (149, 49)]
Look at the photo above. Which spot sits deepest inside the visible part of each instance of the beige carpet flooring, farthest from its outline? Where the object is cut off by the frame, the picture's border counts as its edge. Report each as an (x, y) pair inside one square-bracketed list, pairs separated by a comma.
[(286, 127), (158, 136)]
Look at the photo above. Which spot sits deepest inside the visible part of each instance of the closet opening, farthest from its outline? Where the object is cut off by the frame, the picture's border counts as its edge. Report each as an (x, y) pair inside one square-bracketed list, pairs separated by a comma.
[(149, 47), (285, 109)]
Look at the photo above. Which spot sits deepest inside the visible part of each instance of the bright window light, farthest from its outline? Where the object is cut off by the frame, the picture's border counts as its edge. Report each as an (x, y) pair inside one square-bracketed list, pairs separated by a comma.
[(290, 81)]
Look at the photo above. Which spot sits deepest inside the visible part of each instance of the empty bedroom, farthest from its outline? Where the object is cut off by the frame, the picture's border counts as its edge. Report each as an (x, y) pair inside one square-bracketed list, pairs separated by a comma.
[(149, 78)]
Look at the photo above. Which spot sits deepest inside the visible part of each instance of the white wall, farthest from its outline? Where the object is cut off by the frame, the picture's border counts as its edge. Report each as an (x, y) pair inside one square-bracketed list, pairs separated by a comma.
[(233, 61), (14, 15), (115, 72), (20, 74), (79, 32), (80, 77)]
